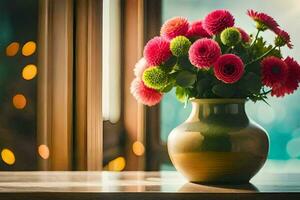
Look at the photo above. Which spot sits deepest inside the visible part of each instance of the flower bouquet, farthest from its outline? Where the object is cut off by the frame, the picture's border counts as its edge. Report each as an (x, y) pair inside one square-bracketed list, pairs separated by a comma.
[(213, 58), (218, 66)]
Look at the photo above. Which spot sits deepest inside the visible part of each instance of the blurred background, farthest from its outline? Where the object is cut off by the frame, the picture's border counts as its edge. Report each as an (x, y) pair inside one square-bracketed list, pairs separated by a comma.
[(123, 151), (18, 35)]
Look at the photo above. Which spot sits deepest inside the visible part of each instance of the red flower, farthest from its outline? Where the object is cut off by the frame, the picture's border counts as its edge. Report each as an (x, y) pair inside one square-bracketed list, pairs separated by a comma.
[(216, 21), (204, 52), (292, 82), (196, 30), (274, 71), (264, 21), (143, 94), (229, 68), (284, 37), (174, 27), (245, 37), (157, 51)]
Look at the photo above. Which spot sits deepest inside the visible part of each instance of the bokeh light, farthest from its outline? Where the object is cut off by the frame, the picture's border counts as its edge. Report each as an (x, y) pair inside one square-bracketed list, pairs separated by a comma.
[(44, 151), (29, 72), (19, 101), (265, 114), (138, 148), (8, 156), (29, 48), (117, 164), (12, 49), (293, 148)]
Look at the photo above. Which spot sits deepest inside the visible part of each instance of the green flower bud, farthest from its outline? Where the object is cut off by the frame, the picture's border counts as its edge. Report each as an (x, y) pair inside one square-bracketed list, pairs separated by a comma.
[(279, 41), (180, 46), (155, 78), (261, 26), (230, 36)]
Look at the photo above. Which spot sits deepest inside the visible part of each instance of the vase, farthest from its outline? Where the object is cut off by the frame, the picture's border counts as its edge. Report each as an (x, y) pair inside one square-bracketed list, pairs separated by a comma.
[(218, 143)]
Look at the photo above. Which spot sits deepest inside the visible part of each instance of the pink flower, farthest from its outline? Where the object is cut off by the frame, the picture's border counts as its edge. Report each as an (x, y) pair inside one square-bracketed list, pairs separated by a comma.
[(174, 27), (216, 21), (292, 81), (157, 51), (229, 68), (274, 71), (140, 67), (245, 37), (143, 94), (284, 36), (204, 52), (263, 19), (196, 30)]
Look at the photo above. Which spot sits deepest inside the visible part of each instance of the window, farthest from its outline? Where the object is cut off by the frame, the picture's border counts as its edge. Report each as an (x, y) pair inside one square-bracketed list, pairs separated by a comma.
[(281, 119), (54, 93)]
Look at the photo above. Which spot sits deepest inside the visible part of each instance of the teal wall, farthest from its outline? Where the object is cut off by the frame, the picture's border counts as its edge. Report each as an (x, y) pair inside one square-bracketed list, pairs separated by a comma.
[(282, 118)]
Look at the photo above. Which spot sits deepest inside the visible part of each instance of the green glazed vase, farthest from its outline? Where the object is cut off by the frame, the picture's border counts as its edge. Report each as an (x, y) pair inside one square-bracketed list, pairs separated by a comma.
[(218, 143)]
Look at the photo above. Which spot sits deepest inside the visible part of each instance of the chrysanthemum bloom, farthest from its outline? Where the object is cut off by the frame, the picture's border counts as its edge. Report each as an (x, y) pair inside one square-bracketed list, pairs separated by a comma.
[(245, 36), (283, 38), (174, 27), (180, 46), (196, 30), (292, 81), (274, 71), (231, 36), (140, 67), (155, 78), (263, 21), (204, 52), (229, 68), (143, 94), (216, 21), (157, 51)]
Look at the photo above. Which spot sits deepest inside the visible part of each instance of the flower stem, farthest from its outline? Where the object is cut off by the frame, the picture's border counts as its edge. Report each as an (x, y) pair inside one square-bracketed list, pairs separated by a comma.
[(266, 92), (262, 56), (228, 50), (256, 36)]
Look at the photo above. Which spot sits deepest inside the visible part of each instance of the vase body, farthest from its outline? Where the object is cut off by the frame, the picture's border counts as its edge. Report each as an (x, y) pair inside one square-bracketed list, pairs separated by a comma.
[(218, 143)]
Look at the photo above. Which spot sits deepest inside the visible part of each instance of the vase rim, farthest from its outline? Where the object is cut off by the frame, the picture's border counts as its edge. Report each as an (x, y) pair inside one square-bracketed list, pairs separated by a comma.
[(219, 100)]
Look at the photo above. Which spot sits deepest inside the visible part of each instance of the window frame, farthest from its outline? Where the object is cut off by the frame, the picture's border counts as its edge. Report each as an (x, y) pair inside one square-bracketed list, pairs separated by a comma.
[(88, 83), (55, 88), (69, 116), (156, 152), (142, 22)]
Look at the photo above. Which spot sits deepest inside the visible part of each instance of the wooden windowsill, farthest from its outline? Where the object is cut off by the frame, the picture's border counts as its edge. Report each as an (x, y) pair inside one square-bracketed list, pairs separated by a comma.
[(140, 185)]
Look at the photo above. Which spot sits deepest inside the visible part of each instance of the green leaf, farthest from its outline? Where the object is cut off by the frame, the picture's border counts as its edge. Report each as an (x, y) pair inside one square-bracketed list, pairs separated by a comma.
[(185, 78), (202, 86), (181, 94), (253, 81), (223, 90), (167, 88), (169, 64), (260, 47), (184, 63)]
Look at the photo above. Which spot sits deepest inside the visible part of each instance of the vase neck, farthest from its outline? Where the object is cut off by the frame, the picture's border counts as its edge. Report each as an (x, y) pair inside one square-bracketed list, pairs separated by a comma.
[(218, 109)]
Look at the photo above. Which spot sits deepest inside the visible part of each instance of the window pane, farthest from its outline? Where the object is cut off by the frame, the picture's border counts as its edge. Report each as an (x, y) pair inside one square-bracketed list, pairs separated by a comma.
[(111, 86), (113, 159), (281, 118), (18, 70)]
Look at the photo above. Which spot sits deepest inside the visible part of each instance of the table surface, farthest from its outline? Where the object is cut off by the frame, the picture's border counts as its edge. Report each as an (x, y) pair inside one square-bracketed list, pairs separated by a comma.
[(141, 185)]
